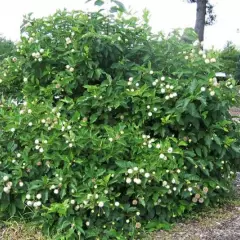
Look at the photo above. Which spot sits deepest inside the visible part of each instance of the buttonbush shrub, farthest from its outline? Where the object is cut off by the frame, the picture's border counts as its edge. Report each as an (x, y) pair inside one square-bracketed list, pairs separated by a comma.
[(118, 130)]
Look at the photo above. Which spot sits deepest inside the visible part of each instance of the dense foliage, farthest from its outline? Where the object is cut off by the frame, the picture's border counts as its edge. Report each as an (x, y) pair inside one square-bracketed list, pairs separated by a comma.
[(229, 58), (6, 48), (119, 130)]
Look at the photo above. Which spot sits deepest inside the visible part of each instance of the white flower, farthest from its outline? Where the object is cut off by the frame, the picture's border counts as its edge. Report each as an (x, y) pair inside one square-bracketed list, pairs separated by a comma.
[(171, 95), (147, 175), (87, 223), (217, 187), (117, 204), (207, 61), (137, 213), (12, 129), (174, 188), (21, 112), (154, 83), (69, 127), (137, 180), (45, 141), (101, 204), (36, 141), (213, 60), (56, 191), (162, 156), (204, 56), (163, 90), (18, 155), (130, 79), (96, 196), (28, 196), (43, 120), (30, 124), (186, 57), (189, 189), (71, 69), (40, 59), (129, 83), (25, 79), (212, 93), (141, 170), (70, 145), (67, 66), (178, 170), (35, 204), (170, 150), (155, 109), (29, 203), (150, 114), (6, 189), (151, 72), (110, 139), (106, 191), (60, 179), (37, 147), (72, 201), (173, 181), (149, 145), (200, 52), (167, 97), (137, 84), (5, 178), (128, 180), (167, 86), (130, 171), (135, 168), (132, 90), (203, 89), (29, 111), (127, 221), (39, 196), (164, 183), (162, 78), (41, 150), (158, 146), (41, 50)]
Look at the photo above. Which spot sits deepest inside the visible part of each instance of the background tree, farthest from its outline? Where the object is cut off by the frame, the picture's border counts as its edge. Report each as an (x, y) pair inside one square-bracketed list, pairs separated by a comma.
[(204, 16), (229, 58), (6, 48)]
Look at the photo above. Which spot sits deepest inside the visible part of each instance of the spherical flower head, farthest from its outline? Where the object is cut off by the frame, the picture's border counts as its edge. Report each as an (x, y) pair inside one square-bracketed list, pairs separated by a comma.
[(164, 183), (158, 145), (170, 150), (174, 189), (87, 223), (197, 196), (130, 79), (43, 121), (213, 60), (147, 175), (200, 52), (163, 90), (128, 180), (151, 72), (138, 213), (110, 139), (41, 150), (155, 109), (201, 200), (12, 129), (178, 170), (162, 156), (137, 84), (18, 155), (71, 69), (137, 180), (5, 178), (154, 83), (205, 189), (217, 187), (194, 200), (150, 114), (29, 203), (56, 191), (39, 196), (130, 171), (186, 57), (138, 225), (212, 93), (207, 61), (28, 196), (70, 145), (203, 89), (173, 181), (117, 204), (162, 78), (189, 189), (69, 127), (6, 189), (101, 204), (72, 201), (135, 168), (167, 97)]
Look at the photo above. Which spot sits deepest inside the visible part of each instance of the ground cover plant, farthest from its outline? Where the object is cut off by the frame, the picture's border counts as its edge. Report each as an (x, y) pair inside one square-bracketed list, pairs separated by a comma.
[(117, 130)]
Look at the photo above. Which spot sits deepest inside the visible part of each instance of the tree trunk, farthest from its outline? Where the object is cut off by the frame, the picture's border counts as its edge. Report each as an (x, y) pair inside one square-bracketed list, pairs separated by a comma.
[(200, 19)]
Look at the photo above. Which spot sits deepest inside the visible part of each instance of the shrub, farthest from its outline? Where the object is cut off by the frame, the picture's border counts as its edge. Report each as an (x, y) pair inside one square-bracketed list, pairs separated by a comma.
[(120, 130)]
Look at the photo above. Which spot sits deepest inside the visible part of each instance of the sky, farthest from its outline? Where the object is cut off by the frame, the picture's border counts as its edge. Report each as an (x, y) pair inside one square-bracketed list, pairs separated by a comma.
[(165, 16)]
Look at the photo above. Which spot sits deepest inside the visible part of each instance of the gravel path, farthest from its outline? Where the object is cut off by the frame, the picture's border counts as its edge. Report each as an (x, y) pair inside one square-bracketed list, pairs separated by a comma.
[(224, 224)]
